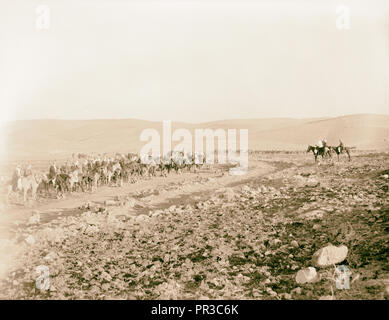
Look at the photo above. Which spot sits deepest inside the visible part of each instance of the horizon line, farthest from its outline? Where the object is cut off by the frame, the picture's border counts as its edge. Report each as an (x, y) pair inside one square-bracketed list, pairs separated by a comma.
[(200, 122)]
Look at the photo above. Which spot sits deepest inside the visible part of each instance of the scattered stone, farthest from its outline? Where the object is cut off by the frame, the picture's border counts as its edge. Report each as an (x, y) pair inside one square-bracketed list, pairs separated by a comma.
[(297, 291), (110, 202), (271, 292), (35, 218), (229, 194), (52, 235), (30, 240), (312, 182), (91, 229), (141, 218), (312, 215), (50, 256), (294, 244), (316, 227), (131, 202), (287, 296), (307, 275), (329, 255)]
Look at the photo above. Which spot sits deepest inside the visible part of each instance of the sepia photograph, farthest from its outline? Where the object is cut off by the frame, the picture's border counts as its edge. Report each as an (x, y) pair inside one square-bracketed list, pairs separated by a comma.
[(194, 150)]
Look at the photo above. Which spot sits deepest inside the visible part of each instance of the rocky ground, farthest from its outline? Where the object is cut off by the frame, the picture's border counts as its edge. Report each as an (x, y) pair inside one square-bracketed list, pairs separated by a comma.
[(274, 236)]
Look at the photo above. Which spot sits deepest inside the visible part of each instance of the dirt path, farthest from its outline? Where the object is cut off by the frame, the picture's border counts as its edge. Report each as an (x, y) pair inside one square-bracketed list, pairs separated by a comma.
[(152, 194), (168, 190)]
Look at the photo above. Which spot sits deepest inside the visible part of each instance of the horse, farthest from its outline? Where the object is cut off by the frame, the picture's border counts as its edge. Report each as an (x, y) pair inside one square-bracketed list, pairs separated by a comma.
[(75, 180), (117, 175), (319, 151), (47, 184), (339, 150), (63, 183), (26, 183)]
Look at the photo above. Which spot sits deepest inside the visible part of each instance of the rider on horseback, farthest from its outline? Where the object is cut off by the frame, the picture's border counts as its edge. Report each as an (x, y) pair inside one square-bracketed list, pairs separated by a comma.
[(16, 178), (28, 171), (322, 143)]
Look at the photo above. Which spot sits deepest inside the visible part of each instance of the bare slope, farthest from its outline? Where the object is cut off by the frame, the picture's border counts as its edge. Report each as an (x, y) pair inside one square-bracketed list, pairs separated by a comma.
[(37, 139)]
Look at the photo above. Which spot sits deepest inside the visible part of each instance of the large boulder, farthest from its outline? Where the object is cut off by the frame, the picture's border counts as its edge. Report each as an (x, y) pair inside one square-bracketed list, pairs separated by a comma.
[(329, 255)]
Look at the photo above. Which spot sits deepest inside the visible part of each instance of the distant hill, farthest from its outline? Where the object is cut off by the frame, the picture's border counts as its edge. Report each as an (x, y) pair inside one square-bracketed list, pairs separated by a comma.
[(47, 139)]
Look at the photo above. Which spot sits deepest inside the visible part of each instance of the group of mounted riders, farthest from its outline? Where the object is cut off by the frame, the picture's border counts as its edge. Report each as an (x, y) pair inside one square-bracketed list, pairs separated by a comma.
[(88, 173), (323, 149)]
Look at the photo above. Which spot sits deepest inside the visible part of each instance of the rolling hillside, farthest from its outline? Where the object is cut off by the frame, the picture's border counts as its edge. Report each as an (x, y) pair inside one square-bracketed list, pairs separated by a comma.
[(43, 139)]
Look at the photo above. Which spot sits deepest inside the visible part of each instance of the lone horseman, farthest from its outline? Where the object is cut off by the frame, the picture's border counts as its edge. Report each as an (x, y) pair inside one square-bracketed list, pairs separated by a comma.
[(322, 144), (340, 149), (320, 149)]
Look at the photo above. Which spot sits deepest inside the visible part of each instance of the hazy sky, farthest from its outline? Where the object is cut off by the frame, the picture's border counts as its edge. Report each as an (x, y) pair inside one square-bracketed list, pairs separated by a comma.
[(192, 60)]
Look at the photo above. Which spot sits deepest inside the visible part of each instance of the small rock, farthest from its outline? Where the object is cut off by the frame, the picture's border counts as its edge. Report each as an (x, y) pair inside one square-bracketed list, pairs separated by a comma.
[(34, 219), (91, 229), (141, 218), (312, 215), (297, 291), (229, 194), (50, 256), (287, 296), (294, 244), (271, 292), (312, 182), (110, 202), (30, 240), (131, 202), (329, 255), (307, 275), (385, 176)]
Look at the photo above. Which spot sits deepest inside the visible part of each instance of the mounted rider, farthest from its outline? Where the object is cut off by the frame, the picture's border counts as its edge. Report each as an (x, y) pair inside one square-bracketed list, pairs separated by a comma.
[(64, 169), (321, 143), (17, 178), (52, 171), (341, 146), (28, 171)]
